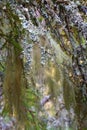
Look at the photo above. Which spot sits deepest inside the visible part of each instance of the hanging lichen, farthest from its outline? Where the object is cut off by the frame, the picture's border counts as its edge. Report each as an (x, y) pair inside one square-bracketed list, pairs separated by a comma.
[(69, 93), (14, 81)]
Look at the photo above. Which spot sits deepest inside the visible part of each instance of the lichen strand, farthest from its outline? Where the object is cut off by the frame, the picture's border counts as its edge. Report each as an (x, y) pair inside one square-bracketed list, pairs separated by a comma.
[(13, 84), (69, 93), (36, 59), (54, 79)]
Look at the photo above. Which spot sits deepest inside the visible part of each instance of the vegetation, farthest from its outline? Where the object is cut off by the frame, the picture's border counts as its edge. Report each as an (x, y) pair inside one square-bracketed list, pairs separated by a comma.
[(43, 55)]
